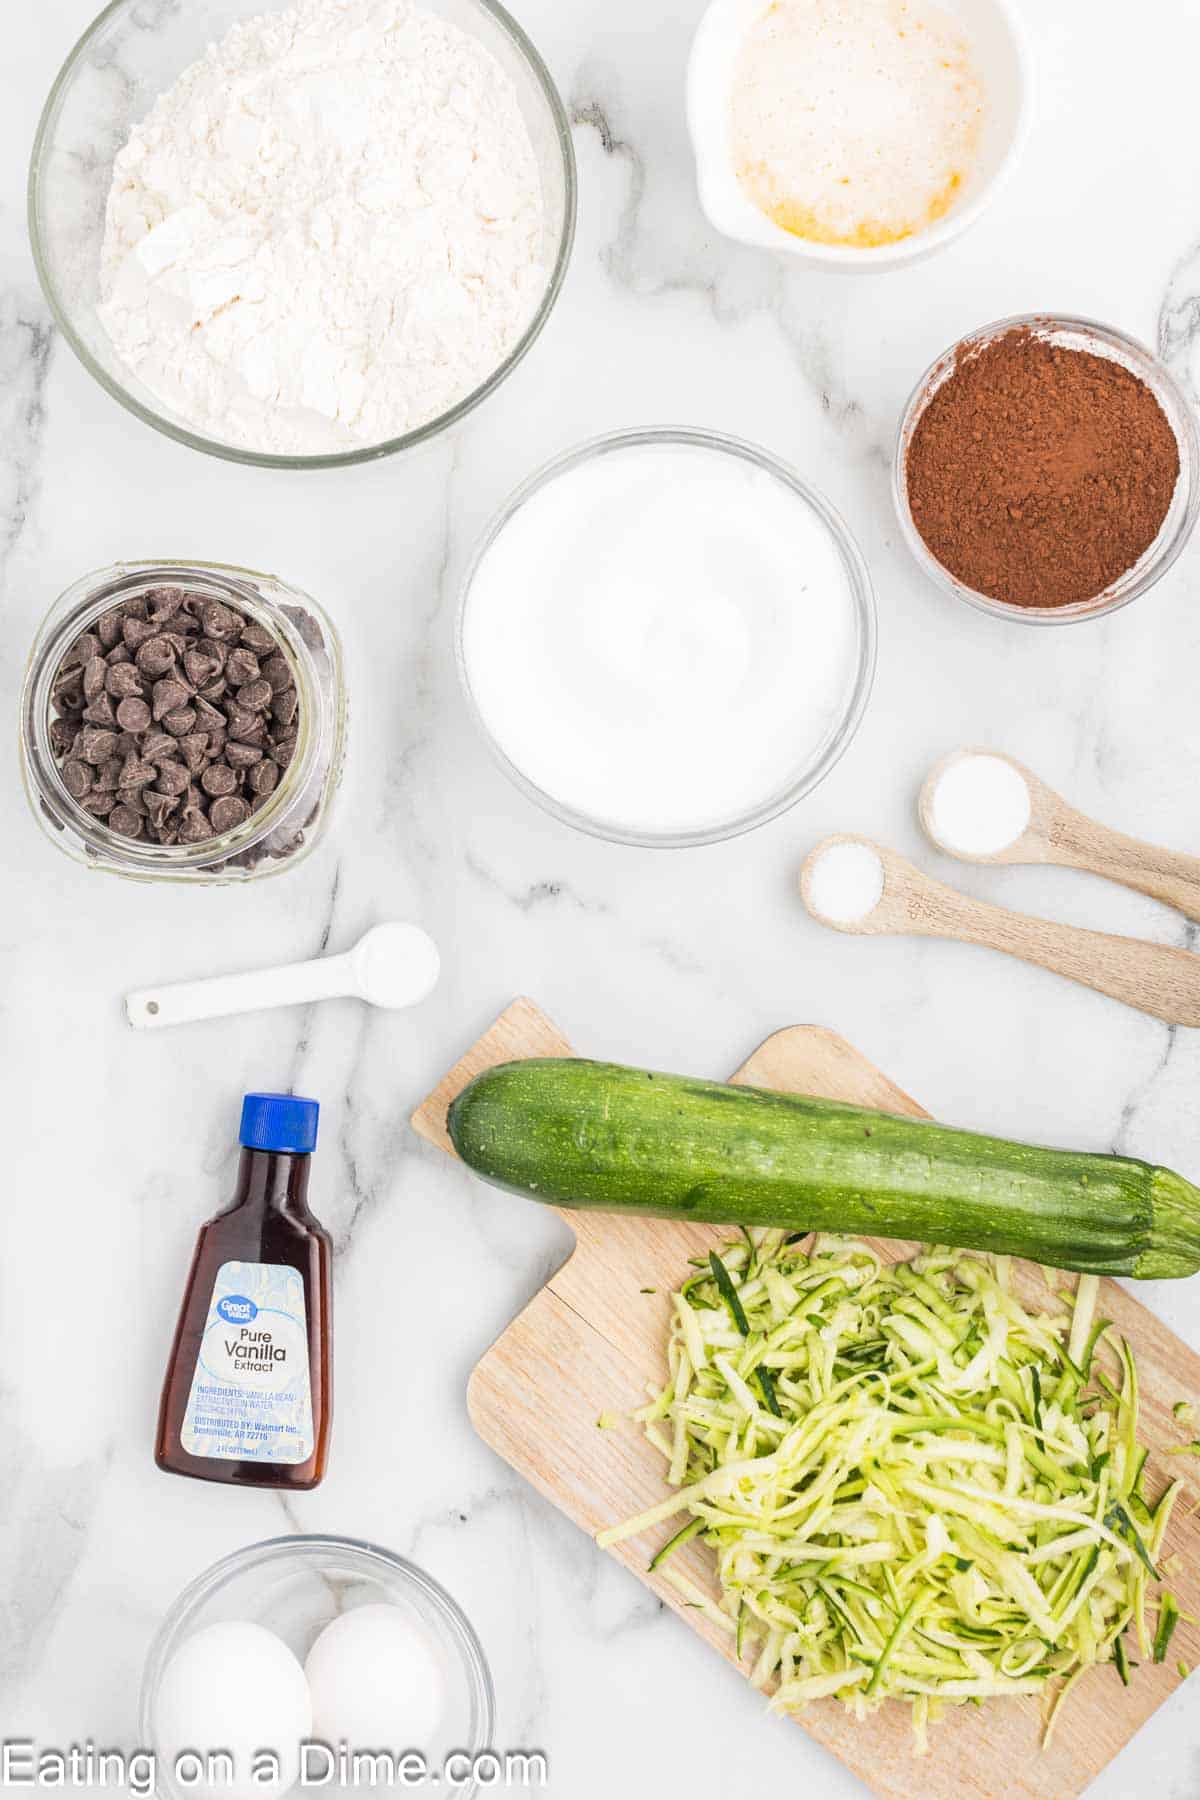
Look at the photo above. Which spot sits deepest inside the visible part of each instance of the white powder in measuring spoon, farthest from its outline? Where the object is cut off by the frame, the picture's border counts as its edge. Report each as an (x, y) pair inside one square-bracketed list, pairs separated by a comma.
[(661, 638), (845, 883), (327, 232), (979, 806)]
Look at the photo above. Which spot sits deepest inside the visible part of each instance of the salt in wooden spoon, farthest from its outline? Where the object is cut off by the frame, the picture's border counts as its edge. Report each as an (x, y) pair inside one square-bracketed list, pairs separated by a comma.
[(1155, 978), (1056, 833)]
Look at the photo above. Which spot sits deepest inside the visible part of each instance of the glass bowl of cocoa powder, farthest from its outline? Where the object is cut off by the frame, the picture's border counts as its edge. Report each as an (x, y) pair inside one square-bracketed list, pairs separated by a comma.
[(1047, 469)]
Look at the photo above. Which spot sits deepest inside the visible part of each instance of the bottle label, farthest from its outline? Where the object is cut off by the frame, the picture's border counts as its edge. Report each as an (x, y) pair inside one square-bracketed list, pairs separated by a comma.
[(250, 1398)]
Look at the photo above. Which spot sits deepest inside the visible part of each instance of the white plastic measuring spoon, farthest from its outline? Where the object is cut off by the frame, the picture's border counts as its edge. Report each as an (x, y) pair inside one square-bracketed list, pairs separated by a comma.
[(391, 965)]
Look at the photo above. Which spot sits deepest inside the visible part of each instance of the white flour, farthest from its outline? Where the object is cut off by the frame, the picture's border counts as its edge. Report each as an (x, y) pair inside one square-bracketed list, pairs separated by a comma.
[(327, 232)]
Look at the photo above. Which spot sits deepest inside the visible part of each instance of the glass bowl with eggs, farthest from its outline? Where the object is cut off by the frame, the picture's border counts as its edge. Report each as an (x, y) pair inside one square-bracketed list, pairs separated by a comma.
[(305, 236), (291, 1655)]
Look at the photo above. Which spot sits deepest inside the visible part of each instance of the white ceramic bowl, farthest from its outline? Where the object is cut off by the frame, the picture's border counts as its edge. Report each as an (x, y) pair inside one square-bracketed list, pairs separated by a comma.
[(1002, 58)]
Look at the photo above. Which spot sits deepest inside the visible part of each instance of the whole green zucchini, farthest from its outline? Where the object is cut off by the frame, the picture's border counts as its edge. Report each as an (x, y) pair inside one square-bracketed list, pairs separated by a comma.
[(589, 1134)]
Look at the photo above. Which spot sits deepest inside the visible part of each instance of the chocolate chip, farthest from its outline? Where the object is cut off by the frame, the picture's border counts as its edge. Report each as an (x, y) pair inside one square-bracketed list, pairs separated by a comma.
[(207, 715), (82, 651), (215, 690), (94, 675), (243, 666), (122, 680), (277, 672), (62, 736), (108, 628), (218, 621), (256, 637), (96, 745), (100, 712), (156, 656), (255, 695), (125, 820), (180, 722), (218, 779), (136, 631), (199, 668), (98, 803), (136, 773), (109, 777), (122, 654), (172, 778), (77, 778), (159, 807), (194, 828), (244, 724), (242, 756), (194, 750), (263, 778), (227, 814), (284, 750), (167, 696), (165, 603), (133, 714), (284, 709), (158, 745)]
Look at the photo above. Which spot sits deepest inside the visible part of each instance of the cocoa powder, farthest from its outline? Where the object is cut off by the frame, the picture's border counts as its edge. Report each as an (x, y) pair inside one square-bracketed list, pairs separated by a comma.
[(1038, 474)]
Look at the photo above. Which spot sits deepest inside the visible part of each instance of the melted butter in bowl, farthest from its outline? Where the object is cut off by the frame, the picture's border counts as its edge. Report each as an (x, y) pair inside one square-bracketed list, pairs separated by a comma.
[(854, 133), (855, 122)]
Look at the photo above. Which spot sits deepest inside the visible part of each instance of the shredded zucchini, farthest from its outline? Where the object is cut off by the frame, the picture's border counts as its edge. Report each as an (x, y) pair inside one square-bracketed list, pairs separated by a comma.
[(915, 1487)]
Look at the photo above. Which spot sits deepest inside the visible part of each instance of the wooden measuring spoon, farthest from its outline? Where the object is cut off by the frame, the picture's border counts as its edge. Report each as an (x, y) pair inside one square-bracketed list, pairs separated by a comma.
[(1058, 834), (1155, 978)]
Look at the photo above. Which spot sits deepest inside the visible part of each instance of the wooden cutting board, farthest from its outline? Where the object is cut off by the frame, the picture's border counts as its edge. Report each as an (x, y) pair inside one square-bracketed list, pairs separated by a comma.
[(593, 1340)]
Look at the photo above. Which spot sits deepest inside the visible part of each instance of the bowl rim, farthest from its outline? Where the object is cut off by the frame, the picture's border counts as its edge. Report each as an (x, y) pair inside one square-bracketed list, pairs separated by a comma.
[(879, 257), (313, 1545), (1154, 562), (335, 459), (862, 595)]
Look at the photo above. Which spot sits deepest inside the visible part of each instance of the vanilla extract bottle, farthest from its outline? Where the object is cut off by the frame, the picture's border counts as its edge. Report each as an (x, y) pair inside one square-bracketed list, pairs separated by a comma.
[(248, 1396)]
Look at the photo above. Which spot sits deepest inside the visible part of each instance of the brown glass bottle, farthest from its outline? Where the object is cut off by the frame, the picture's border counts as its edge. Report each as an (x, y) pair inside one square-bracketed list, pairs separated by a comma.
[(248, 1396)]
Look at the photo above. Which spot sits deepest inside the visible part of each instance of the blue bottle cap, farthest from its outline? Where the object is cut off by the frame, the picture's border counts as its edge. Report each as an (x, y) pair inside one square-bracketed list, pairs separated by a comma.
[(279, 1122)]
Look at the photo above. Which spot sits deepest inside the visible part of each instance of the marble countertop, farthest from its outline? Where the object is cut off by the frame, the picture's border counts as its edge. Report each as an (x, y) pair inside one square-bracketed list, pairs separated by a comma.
[(119, 1146)]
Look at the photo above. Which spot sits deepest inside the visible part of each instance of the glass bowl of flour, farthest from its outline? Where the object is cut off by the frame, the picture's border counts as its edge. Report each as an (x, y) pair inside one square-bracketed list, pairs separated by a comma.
[(666, 637), (300, 236)]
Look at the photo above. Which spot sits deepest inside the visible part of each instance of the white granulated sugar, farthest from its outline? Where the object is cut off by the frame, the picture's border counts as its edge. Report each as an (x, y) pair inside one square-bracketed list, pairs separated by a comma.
[(845, 883), (979, 806), (855, 122), (327, 232)]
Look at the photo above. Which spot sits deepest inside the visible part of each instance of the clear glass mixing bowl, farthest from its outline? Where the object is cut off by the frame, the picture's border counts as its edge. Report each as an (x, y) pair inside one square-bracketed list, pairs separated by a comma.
[(1099, 340), (812, 766), (127, 57), (295, 1586)]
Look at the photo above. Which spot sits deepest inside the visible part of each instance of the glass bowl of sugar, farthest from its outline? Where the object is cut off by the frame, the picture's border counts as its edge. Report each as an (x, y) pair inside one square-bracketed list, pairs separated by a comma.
[(300, 237), (666, 637)]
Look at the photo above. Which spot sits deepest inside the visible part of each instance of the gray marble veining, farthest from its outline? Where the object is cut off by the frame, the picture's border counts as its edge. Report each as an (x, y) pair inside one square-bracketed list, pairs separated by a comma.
[(118, 1146)]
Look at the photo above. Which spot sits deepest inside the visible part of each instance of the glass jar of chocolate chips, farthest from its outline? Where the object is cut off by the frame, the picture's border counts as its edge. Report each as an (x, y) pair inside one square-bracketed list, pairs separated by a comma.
[(184, 722)]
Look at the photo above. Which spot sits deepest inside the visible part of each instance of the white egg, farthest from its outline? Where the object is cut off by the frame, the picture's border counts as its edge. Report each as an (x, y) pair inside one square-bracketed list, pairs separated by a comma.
[(234, 1687), (377, 1681)]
